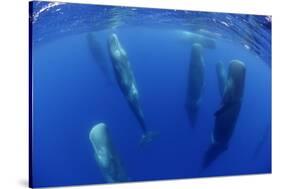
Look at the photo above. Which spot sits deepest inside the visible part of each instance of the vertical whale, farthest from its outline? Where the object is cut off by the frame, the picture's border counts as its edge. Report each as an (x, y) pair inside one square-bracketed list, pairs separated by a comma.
[(98, 54), (105, 154), (126, 81), (195, 82), (221, 76), (227, 115)]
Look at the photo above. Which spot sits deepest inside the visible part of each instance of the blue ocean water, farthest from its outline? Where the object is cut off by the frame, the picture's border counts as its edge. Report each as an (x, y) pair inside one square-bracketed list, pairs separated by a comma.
[(71, 92)]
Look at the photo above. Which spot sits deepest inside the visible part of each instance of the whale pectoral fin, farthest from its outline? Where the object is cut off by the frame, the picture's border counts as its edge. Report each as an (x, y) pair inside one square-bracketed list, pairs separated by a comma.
[(223, 147), (226, 107), (221, 110)]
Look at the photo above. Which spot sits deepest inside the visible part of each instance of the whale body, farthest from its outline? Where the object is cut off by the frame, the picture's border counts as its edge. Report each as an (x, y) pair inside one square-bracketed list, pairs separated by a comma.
[(126, 81), (221, 76), (227, 115), (105, 154), (195, 82), (98, 54)]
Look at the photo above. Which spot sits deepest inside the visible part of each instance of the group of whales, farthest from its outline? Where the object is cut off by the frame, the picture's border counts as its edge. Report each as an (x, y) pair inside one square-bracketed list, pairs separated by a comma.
[(231, 88)]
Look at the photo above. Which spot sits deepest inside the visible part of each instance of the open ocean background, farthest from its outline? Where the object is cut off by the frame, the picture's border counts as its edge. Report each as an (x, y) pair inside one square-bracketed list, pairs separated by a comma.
[(71, 92)]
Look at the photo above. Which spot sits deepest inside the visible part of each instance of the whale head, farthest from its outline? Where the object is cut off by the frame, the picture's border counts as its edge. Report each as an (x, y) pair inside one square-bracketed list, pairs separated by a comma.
[(114, 41), (98, 133), (105, 155), (197, 49), (237, 71), (100, 141), (237, 74)]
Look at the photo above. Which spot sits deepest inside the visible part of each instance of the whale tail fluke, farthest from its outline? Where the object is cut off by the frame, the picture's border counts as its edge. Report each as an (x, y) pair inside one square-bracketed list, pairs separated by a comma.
[(148, 137)]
